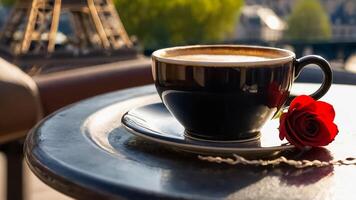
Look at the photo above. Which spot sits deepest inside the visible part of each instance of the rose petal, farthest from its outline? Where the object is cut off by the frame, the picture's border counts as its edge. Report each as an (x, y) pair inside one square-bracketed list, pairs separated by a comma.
[(299, 123), (326, 110), (314, 140), (326, 134), (330, 127), (310, 108), (321, 136), (292, 136), (286, 132), (300, 101), (298, 119), (301, 129), (311, 127), (293, 133), (294, 115)]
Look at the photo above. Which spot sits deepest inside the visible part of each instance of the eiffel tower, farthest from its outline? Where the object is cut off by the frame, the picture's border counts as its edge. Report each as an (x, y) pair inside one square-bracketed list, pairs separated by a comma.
[(32, 29)]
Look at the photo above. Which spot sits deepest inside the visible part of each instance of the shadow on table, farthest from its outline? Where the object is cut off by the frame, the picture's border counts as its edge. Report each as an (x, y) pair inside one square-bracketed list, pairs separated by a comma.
[(306, 176), (184, 174)]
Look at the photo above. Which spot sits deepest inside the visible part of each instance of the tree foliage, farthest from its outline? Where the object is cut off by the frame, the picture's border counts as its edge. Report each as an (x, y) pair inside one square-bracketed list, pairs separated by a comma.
[(159, 23), (308, 21), (7, 2)]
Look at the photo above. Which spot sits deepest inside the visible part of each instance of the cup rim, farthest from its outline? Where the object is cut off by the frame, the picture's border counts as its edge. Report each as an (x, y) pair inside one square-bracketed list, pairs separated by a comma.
[(286, 56)]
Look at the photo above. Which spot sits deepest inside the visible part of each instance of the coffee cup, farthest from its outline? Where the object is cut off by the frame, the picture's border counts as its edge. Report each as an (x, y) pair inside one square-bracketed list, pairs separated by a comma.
[(228, 92)]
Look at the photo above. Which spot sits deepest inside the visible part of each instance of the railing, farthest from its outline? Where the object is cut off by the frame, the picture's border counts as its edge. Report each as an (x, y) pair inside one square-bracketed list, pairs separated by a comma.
[(331, 50)]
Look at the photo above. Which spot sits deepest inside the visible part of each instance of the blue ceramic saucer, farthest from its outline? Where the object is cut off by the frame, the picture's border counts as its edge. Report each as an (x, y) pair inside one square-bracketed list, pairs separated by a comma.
[(155, 123)]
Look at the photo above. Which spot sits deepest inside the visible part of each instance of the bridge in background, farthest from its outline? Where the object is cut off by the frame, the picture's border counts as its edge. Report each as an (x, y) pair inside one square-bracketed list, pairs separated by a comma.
[(329, 49)]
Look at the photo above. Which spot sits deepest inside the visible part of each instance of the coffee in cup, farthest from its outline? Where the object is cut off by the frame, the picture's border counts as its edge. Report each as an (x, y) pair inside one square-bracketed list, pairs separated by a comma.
[(228, 92)]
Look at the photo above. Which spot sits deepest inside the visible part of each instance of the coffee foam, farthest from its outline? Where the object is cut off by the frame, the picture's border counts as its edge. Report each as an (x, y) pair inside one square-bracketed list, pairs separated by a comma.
[(223, 55), (220, 58)]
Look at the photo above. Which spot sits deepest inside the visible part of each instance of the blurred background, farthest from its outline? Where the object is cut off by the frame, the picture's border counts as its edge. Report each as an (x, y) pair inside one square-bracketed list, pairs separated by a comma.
[(95, 51), (323, 27)]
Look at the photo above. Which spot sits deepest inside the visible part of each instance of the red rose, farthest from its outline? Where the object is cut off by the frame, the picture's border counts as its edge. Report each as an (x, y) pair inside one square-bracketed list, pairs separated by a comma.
[(308, 123)]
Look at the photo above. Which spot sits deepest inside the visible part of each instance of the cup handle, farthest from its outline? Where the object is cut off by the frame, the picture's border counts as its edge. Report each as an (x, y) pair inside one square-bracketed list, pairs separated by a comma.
[(325, 67)]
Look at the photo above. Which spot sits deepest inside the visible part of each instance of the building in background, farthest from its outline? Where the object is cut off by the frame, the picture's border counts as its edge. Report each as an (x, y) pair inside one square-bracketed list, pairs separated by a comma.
[(342, 14), (344, 21), (259, 23)]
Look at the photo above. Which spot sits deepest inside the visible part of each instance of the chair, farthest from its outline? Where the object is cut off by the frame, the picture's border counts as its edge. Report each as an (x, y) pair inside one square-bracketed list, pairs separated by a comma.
[(25, 100)]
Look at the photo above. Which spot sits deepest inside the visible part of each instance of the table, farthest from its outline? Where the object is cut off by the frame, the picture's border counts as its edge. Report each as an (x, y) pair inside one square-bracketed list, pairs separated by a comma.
[(84, 152)]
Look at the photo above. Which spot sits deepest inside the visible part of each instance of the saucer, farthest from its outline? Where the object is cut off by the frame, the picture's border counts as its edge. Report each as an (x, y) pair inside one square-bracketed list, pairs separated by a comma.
[(155, 123)]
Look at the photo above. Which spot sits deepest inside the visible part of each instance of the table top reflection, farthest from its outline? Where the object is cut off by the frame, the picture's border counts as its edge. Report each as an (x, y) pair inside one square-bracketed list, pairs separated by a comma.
[(87, 157)]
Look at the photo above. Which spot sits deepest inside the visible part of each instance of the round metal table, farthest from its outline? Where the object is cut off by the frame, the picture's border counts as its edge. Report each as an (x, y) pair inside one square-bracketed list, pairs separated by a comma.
[(84, 152)]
